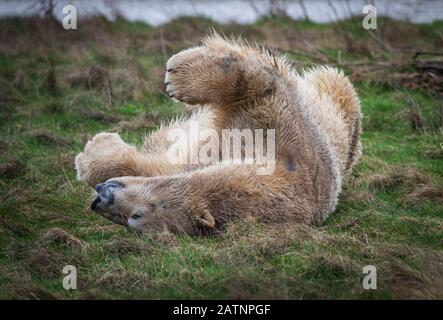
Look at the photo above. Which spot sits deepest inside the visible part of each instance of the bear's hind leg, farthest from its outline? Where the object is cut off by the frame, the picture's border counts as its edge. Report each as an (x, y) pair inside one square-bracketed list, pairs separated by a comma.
[(333, 84)]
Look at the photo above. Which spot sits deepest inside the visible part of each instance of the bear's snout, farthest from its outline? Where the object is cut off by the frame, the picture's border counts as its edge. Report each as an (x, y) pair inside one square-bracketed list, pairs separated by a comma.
[(105, 194)]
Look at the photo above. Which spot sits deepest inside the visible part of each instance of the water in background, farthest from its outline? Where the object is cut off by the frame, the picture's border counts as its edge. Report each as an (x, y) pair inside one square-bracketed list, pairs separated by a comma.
[(157, 12)]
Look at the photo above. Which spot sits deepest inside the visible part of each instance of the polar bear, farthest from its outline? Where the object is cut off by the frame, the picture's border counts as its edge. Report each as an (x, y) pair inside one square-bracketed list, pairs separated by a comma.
[(228, 83)]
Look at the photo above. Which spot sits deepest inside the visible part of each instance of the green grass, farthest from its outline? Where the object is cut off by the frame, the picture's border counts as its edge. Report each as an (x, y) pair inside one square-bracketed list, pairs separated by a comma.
[(380, 219)]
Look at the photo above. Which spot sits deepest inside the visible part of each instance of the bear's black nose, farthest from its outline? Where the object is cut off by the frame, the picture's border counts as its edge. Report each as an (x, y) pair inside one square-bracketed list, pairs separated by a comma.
[(105, 194), (95, 203)]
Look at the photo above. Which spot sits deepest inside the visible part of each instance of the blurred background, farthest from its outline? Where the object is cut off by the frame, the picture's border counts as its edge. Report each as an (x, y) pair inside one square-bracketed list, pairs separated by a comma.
[(59, 87), (157, 12)]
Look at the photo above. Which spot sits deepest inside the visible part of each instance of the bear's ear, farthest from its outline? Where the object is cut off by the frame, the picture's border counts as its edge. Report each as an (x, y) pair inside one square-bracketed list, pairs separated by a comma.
[(206, 219)]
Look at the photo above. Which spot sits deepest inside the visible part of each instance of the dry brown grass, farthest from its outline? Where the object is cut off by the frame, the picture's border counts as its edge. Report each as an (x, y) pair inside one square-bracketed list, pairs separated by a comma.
[(397, 275), (166, 238), (251, 236), (407, 282), (433, 151), (356, 197), (144, 121), (101, 116), (399, 178), (122, 246), (29, 292), (47, 263), (118, 277), (128, 81), (61, 237), (425, 193), (244, 288), (14, 227), (45, 137), (11, 168)]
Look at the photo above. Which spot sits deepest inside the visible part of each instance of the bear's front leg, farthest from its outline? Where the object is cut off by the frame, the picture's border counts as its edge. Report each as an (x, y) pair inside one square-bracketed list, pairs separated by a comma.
[(107, 156), (224, 77)]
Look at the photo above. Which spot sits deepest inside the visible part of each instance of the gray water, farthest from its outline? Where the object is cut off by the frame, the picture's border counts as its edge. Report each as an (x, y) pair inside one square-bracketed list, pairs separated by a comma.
[(157, 12)]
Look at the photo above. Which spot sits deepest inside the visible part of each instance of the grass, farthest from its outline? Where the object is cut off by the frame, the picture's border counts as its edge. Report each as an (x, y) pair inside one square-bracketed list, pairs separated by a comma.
[(58, 88)]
